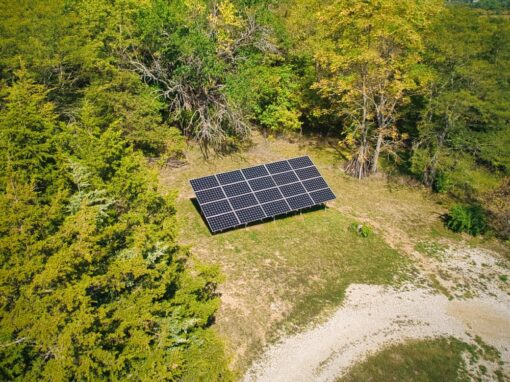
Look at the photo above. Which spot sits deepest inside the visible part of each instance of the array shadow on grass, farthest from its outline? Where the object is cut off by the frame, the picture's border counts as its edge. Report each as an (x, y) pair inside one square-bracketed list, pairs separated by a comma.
[(318, 207)]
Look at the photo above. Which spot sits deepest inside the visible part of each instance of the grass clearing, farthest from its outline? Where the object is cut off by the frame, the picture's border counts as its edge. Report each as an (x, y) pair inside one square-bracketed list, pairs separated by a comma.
[(290, 273), (431, 360), (283, 274), (442, 359)]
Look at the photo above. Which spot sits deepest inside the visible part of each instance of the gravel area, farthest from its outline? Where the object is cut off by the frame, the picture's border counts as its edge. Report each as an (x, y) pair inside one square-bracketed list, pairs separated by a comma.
[(373, 317)]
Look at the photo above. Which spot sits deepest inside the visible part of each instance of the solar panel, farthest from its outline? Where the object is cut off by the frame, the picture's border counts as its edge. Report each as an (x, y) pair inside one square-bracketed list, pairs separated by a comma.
[(262, 183), (237, 189), (300, 162), (230, 177), (285, 178), (268, 195), (216, 208), (251, 214), (322, 195), (223, 222), (210, 195), (244, 201), (307, 173), (300, 201), (315, 184), (204, 183), (276, 167), (292, 189), (239, 197), (276, 208), (255, 172)]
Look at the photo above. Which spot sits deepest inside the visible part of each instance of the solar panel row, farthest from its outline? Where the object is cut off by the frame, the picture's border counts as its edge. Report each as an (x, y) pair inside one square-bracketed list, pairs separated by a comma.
[(242, 196)]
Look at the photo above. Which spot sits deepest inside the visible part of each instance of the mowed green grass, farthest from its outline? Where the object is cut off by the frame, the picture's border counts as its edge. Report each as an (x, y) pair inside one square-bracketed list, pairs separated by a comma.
[(290, 273), (433, 360), (307, 259), (284, 274)]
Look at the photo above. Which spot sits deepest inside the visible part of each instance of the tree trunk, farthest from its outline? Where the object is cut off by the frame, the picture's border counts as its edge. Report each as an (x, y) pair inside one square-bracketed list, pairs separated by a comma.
[(377, 151), (430, 171), (359, 165)]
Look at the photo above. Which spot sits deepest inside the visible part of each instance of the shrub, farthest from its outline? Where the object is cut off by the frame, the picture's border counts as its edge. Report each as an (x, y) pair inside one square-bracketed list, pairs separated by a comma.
[(360, 229), (497, 204), (467, 218), (441, 183)]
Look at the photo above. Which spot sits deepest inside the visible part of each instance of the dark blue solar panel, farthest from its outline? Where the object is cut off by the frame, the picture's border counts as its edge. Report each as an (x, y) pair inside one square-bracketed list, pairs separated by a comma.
[(238, 197), (237, 189), (230, 177), (250, 214), (300, 162), (300, 201), (261, 183), (222, 222), (243, 201), (315, 184), (276, 208), (292, 189), (203, 183), (277, 167), (216, 208), (210, 195), (285, 178), (255, 172), (307, 173), (269, 195), (322, 196)]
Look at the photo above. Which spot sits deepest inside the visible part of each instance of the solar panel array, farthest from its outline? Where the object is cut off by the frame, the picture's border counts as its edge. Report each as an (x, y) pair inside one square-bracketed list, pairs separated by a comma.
[(239, 197)]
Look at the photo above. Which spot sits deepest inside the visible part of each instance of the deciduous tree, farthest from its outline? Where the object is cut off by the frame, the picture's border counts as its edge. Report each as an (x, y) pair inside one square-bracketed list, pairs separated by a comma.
[(368, 63)]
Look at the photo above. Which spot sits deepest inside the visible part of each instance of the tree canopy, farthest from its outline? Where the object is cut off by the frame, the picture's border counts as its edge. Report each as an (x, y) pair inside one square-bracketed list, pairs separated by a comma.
[(94, 283)]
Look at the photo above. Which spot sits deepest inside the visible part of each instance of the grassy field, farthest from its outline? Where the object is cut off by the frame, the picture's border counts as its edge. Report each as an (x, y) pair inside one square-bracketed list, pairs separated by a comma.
[(286, 274), (435, 360)]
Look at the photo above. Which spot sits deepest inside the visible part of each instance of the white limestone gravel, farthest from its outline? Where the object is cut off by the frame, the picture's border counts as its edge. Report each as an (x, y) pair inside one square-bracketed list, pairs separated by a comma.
[(373, 317)]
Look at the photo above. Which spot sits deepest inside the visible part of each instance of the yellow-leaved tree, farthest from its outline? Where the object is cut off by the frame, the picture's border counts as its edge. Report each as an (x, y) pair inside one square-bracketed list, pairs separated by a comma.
[(368, 63)]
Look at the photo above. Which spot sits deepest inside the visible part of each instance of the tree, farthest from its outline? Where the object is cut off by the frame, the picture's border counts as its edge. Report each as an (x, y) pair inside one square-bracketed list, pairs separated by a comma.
[(270, 94), (28, 125), (368, 64), (187, 49), (93, 282), (465, 113)]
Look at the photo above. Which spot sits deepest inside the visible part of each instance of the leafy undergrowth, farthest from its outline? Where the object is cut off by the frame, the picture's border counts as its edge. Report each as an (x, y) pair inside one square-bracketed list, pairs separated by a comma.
[(443, 359)]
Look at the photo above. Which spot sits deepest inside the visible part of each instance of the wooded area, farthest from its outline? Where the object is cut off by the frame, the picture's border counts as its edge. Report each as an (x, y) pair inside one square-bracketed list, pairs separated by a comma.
[(93, 282)]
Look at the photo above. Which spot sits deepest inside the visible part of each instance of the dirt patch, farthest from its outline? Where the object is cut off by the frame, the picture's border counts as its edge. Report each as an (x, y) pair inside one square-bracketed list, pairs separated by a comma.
[(373, 317), (485, 318)]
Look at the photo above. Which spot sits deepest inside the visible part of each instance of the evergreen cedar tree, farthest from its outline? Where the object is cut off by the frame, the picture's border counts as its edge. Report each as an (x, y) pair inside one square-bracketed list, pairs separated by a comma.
[(93, 281)]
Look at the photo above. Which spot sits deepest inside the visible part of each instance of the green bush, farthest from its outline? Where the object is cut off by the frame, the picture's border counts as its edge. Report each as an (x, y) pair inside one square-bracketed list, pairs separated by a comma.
[(442, 183), (467, 218), (360, 229)]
